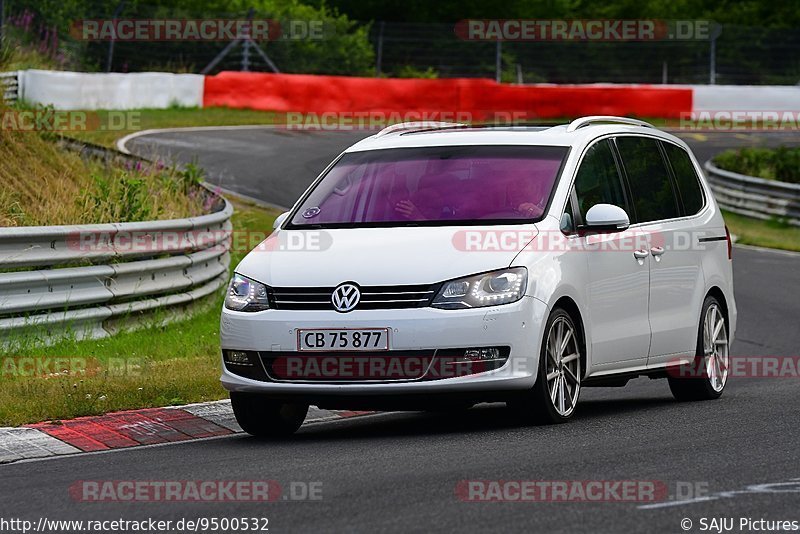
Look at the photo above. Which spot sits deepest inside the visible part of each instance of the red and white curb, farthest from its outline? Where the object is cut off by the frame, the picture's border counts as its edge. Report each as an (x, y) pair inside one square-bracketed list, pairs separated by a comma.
[(120, 430)]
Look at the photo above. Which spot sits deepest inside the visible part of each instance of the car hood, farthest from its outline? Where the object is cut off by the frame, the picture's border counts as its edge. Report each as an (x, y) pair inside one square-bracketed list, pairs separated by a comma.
[(383, 256)]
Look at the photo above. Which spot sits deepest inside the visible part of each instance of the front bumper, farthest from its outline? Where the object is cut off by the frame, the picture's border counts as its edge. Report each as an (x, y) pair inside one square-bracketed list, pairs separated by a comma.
[(518, 326)]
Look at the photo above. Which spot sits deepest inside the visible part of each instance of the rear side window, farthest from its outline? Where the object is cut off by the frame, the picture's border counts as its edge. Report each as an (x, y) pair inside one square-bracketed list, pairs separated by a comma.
[(686, 177), (598, 181), (649, 179)]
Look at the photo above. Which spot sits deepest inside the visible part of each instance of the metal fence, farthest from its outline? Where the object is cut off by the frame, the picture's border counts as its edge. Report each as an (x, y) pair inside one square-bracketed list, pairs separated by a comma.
[(9, 86), (735, 55), (755, 197), (60, 285)]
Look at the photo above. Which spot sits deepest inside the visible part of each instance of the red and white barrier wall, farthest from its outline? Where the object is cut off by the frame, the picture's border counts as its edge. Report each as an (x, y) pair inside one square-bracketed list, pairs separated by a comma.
[(80, 90), (732, 98), (480, 98)]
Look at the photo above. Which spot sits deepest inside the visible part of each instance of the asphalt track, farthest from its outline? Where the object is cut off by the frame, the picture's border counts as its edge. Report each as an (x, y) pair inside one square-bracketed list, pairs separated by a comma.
[(277, 164), (398, 472)]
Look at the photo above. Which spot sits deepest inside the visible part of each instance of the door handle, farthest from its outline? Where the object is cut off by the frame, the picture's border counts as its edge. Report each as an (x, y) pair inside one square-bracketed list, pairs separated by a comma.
[(657, 251), (640, 254)]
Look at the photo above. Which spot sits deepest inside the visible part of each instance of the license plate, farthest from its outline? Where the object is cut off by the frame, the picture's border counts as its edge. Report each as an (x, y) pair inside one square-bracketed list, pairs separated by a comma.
[(356, 339)]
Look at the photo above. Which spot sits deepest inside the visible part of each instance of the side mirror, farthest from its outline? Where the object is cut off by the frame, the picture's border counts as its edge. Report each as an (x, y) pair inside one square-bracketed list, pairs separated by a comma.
[(607, 218), (279, 220)]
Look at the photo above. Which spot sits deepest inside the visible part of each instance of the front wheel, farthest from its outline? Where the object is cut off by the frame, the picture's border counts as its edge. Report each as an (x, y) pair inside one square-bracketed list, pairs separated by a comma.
[(263, 417), (705, 378), (558, 385)]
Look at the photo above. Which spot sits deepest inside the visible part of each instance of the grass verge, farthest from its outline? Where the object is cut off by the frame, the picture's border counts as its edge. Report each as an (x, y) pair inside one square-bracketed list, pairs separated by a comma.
[(156, 366), (148, 119), (769, 234), (41, 184)]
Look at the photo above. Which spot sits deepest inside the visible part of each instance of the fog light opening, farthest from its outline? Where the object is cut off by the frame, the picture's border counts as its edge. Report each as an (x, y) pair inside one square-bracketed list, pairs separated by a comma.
[(237, 357), (487, 354)]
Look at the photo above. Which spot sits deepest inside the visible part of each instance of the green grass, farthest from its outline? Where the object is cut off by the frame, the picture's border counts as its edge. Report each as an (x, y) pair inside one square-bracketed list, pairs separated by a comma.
[(160, 365), (41, 184), (147, 119), (770, 234), (19, 56)]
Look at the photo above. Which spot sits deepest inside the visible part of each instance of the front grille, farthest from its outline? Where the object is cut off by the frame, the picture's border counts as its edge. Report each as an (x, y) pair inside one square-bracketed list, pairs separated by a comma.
[(372, 297)]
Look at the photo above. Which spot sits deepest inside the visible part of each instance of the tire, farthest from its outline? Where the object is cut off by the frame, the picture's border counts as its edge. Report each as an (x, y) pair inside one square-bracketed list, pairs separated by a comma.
[(542, 404), (706, 376), (263, 417)]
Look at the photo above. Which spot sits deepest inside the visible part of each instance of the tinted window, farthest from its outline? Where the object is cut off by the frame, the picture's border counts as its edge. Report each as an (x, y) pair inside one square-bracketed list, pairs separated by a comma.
[(597, 181), (686, 178), (434, 186), (649, 179)]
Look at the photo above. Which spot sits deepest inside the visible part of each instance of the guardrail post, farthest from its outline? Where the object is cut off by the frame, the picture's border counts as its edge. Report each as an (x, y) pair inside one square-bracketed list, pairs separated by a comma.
[(379, 53), (110, 58), (2, 20), (716, 30), (498, 61)]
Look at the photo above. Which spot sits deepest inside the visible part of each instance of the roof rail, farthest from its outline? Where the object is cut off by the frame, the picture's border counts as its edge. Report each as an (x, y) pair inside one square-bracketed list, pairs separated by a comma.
[(418, 126), (597, 119)]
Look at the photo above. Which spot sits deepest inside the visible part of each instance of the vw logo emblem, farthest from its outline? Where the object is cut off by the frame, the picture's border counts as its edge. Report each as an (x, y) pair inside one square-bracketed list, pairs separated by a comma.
[(345, 297)]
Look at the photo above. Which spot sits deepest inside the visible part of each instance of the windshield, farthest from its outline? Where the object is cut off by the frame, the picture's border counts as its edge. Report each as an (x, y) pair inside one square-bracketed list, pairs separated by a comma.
[(433, 186)]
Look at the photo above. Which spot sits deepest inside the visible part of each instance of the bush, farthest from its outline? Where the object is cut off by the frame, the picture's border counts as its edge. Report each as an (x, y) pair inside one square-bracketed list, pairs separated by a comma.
[(345, 48), (781, 164)]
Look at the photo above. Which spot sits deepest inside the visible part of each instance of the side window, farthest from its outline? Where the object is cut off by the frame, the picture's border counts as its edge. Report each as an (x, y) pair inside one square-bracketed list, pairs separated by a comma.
[(598, 181), (686, 177), (648, 178)]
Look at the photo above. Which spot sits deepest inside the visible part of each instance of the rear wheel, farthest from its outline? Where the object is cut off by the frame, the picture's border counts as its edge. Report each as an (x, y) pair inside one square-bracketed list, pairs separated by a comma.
[(263, 417), (706, 376), (555, 394)]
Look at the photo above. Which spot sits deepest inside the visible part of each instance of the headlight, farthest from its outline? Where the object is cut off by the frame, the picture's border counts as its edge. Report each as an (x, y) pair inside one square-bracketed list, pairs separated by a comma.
[(246, 295), (488, 289)]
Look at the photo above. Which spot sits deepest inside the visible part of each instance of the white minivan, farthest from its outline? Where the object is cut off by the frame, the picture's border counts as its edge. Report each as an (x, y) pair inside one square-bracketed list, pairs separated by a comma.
[(436, 266)]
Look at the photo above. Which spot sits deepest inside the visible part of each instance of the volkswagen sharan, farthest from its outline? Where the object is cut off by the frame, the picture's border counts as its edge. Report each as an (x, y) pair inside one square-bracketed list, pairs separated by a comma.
[(442, 265)]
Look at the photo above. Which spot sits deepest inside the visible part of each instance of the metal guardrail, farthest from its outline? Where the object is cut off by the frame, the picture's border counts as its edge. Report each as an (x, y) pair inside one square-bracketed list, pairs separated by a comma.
[(754, 197), (132, 268), (9, 86)]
